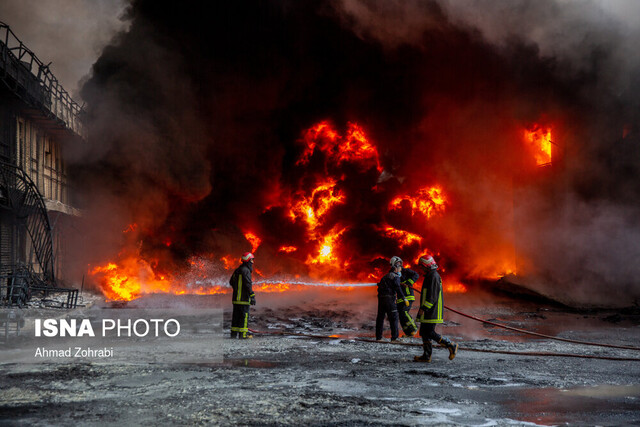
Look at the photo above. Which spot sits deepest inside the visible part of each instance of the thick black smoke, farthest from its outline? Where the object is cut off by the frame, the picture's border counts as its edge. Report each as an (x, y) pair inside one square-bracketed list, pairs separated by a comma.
[(197, 110)]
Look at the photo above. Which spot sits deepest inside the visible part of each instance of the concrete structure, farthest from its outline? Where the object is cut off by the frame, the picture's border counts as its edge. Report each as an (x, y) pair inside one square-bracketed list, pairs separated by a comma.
[(37, 118)]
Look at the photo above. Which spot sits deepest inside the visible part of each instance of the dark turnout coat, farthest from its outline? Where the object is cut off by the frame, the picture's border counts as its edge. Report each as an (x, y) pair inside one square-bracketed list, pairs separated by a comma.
[(241, 283), (409, 277), (389, 286), (431, 302)]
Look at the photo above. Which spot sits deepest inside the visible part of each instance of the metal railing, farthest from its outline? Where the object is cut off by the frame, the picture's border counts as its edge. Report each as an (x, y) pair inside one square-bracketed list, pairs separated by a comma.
[(14, 286), (19, 284), (30, 78), (10, 321)]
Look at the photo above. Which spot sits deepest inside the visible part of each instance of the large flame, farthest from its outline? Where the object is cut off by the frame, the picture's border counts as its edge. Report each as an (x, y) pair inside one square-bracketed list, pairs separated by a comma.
[(129, 278), (132, 277), (326, 249), (354, 147), (253, 239), (539, 140), (427, 201), (403, 237), (312, 204), (312, 207)]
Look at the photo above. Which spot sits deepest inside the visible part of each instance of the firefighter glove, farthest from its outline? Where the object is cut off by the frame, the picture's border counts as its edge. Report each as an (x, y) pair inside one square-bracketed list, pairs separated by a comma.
[(253, 301), (406, 302)]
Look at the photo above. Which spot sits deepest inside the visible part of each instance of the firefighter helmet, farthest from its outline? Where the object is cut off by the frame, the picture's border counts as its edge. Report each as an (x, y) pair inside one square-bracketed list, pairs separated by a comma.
[(247, 256), (428, 262), (394, 260)]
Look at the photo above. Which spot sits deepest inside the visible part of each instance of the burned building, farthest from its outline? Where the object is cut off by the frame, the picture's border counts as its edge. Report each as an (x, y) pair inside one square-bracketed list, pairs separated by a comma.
[(37, 116)]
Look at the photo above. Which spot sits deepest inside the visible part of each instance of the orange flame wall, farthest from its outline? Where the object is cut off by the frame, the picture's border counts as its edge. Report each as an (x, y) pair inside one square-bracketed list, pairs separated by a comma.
[(320, 207)]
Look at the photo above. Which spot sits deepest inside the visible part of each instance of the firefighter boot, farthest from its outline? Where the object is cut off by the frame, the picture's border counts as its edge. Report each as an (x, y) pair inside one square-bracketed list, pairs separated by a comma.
[(451, 346), (423, 358), (453, 350)]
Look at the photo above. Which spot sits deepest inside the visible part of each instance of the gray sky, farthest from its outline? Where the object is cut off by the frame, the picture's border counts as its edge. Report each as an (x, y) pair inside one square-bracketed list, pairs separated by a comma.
[(69, 33)]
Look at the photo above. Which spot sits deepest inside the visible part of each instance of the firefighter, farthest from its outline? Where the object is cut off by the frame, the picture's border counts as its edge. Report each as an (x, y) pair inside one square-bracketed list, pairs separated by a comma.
[(407, 280), (430, 312), (388, 291), (243, 297)]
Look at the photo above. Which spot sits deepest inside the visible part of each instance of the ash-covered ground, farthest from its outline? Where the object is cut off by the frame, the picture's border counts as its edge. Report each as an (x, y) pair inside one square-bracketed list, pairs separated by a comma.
[(277, 379)]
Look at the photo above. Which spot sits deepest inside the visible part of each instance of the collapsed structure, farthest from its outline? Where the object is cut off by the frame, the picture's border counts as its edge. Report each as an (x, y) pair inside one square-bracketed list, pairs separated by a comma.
[(37, 116)]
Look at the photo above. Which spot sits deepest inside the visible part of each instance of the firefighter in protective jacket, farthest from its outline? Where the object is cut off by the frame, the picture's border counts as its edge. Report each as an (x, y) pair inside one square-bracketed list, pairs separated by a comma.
[(243, 297), (408, 278), (430, 313), (388, 291)]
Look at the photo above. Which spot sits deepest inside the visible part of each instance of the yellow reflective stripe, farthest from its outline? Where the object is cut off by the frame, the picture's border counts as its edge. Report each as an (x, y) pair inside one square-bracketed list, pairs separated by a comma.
[(427, 304), (440, 302), (241, 303), (410, 298), (239, 297), (245, 328), (406, 318), (411, 281), (407, 322), (411, 322)]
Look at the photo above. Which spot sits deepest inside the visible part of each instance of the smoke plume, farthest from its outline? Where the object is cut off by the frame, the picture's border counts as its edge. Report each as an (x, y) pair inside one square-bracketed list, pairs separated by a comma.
[(207, 125)]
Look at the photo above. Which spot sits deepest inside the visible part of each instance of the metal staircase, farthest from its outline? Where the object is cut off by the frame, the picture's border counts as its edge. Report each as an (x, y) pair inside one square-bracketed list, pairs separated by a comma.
[(21, 196), (20, 280)]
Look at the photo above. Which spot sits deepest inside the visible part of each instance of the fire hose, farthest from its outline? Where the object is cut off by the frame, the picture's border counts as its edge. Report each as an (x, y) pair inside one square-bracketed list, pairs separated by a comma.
[(516, 353), (523, 331)]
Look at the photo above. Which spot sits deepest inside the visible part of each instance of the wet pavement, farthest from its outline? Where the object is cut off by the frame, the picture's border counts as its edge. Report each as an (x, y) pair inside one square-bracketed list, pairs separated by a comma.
[(292, 380)]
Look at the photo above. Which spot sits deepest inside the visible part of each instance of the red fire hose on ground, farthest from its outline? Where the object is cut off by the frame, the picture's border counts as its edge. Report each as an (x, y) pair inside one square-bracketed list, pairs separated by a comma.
[(516, 353), (523, 331)]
